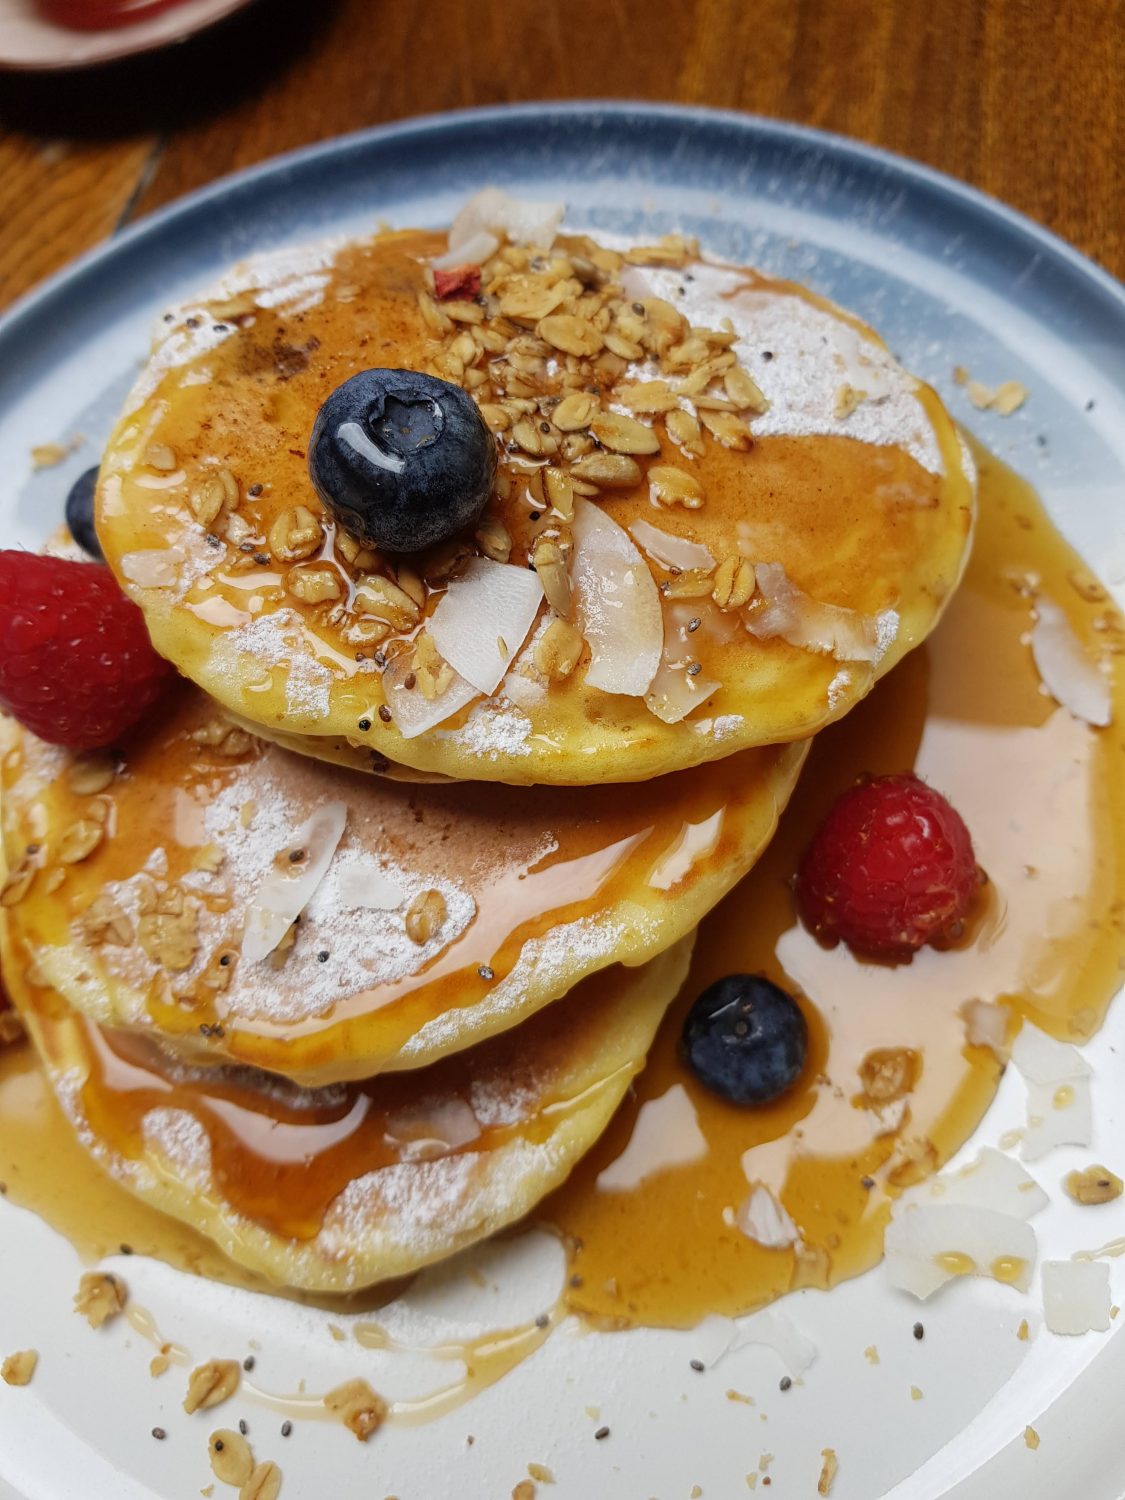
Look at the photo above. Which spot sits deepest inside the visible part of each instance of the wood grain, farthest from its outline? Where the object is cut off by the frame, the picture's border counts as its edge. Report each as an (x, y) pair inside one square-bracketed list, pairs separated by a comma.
[(1024, 99), (58, 198)]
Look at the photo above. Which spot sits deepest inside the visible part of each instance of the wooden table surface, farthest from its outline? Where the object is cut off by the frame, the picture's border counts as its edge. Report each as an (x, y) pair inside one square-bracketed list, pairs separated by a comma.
[(1024, 98)]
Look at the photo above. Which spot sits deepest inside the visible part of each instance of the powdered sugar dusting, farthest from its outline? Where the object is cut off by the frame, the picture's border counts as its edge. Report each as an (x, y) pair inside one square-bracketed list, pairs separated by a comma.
[(294, 276), (495, 727), (886, 632), (552, 963), (815, 351), (181, 1139), (276, 640), (366, 947), (442, 1187), (839, 688), (720, 727), (252, 821)]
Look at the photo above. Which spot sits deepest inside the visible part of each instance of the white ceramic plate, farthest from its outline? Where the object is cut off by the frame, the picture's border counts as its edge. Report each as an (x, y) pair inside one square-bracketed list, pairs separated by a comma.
[(29, 42), (948, 277)]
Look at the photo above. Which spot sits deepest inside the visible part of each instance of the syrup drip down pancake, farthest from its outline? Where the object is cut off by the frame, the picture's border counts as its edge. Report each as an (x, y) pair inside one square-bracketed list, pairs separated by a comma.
[(332, 1189), (250, 905)]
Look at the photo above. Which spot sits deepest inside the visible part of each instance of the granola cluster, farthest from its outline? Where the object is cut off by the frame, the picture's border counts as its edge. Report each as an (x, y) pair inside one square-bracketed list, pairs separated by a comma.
[(589, 390)]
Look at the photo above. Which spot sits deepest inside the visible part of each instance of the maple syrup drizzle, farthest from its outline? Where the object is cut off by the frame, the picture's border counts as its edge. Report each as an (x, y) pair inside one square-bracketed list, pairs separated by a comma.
[(1044, 797), (486, 1359), (1045, 800), (584, 851), (817, 504)]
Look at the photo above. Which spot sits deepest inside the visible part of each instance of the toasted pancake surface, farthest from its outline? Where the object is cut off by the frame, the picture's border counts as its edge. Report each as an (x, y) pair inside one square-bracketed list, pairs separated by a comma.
[(740, 508), (339, 1187), (155, 889)]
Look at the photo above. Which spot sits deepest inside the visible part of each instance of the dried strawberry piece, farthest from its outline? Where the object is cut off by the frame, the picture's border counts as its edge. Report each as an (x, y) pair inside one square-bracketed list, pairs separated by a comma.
[(458, 281)]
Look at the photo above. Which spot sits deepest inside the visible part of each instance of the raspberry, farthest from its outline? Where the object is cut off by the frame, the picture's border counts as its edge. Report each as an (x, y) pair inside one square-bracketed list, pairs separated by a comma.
[(458, 281), (76, 665), (889, 869)]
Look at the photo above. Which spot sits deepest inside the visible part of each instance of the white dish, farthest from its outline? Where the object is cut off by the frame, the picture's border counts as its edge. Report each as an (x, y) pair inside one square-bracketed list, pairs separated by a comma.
[(30, 42), (948, 278)]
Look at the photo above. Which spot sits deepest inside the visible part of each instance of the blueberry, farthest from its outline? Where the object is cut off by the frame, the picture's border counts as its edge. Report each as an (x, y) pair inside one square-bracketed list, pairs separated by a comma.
[(80, 513), (402, 460), (745, 1039)]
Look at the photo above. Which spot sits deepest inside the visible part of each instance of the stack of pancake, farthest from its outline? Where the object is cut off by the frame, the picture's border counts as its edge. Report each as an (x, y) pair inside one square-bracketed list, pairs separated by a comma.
[(354, 947)]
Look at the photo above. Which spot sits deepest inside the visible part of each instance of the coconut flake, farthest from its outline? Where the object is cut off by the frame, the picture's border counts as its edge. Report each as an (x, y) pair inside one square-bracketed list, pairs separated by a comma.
[(712, 1338), (284, 893), (716, 1336), (364, 884), (986, 1025), (1057, 1115), (777, 1331), (1065, 670), (1059, 1105), (476, 249), (668, 550), (617, 604), (666, 1134), (483, 619), (411, 711), (828, 628), (1041, 1059), (675, 690), (991, 1180), (1076, 1296), (675, 693), (714, 624), (763, 1219), (928, 1244), (524, 221)]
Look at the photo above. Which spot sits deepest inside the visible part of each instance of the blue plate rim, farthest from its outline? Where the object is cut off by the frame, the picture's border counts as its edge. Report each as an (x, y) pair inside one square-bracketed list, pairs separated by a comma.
[(977, 204)]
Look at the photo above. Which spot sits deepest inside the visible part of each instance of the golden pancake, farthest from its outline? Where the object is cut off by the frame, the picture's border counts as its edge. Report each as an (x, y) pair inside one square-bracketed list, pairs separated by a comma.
[(721, 510), (254, 906), (338, 1187)]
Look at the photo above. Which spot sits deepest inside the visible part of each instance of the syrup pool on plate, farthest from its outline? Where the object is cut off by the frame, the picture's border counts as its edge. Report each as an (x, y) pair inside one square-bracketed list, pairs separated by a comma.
[(651, 1215)]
